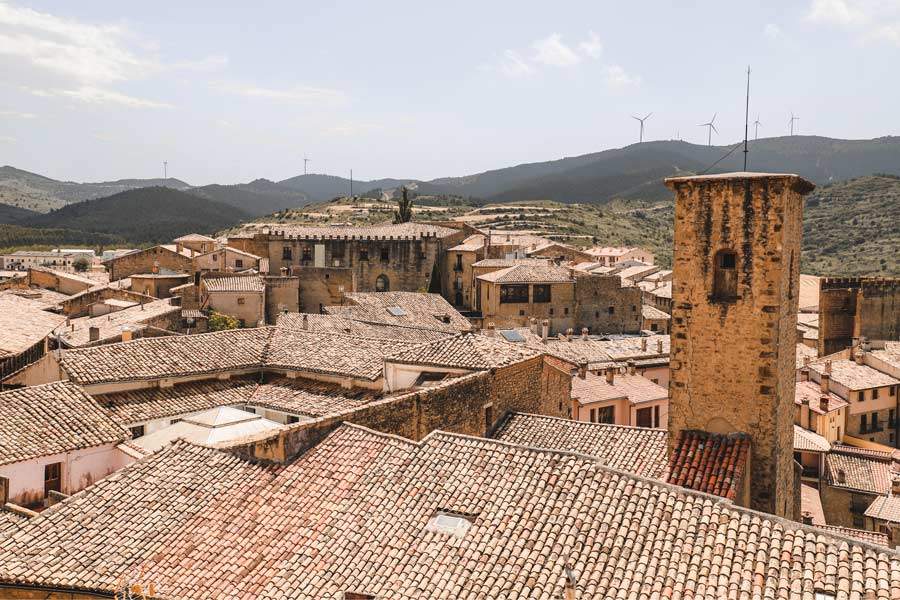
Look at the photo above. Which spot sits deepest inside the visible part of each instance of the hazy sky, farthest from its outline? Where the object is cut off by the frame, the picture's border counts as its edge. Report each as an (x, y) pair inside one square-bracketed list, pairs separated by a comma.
[(231, 91)]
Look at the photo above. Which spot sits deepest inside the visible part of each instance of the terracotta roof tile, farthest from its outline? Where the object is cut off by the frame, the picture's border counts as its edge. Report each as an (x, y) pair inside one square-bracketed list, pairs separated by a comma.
[(353, 514), (42, 420), (235, 283), (377, 331), (112, 324), (871, 537), (810, 393), (23, 323), (709, 463), (885, 508), (651, 312), (809, 441), (511, 262), (424, 311), (854, 376), (595, 388), (858, 469), (529, 274), (464, 351), (403, 231)]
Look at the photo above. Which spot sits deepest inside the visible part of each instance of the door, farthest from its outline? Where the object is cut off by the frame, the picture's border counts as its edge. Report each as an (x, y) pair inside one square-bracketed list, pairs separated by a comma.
[(52, 478)]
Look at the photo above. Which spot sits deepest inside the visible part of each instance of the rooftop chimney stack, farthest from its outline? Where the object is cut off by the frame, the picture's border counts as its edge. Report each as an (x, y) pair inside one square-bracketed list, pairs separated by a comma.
[(804, 374), (860, 356), (825, 382), (895, 485), (610, 375), (545, 330), (491, 330), (659, 346), (823, 403), (631, 367), (569, 333), (94, 334), (584, 333), (582, 370), (533, 326), (305, 322), (643, 344)]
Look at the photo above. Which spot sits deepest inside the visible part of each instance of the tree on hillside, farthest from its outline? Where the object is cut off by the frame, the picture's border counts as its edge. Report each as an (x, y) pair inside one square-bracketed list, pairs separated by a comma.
[(403, 214)]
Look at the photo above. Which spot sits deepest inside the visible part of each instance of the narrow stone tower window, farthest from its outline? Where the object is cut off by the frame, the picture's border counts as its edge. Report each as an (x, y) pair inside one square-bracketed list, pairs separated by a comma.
[(382, 284), (725, 276)]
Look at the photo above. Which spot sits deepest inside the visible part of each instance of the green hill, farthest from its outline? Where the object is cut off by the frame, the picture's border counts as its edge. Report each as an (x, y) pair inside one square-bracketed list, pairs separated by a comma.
[(145, 215), (14, 236), (259, 197)]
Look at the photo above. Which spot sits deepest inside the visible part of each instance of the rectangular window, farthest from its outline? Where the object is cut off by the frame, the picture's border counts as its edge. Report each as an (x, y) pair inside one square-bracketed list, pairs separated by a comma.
[(893, 390), (385, 254), (286, 253), (566, 310), (541, 293), (863, 423), (611, 310), (606, 414), (458, 266), (216, 257), (644, 417), (656, 416), (241, 300), (238, 263), (514, 294), (593, 415), (488, 417), (892, 417), (875, 394), (363, 255), (52, 478), (861, 397), (293, 419), (551, 312), (875, 421), (307, 253), (137, 431)]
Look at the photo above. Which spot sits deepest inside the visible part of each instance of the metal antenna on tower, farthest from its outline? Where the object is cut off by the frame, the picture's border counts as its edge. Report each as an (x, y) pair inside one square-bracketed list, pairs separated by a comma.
[(756, 125), (641, 121), (305, 161), (747, 118), (711, 127), (793, 118)]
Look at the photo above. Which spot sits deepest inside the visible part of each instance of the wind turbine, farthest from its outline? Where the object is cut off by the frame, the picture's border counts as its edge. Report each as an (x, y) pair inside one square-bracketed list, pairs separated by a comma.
[(793, 118), (756, 125), (711, 127), (641, 139), (305, 161)]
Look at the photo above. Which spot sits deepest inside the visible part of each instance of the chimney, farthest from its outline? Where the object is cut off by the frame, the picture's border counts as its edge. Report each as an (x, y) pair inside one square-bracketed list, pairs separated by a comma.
[(823, 403), (643, 344), (571, 584), (126, 334), (545, 330), (804, 374), (582, 370), (860, 356), (631, 367), (569, 333), (841, 476), (94, 334), (491, 329), (895, 485), (828, 367), (825, 382), (584, 333), (305, 322), (610, 375), (659, 346), (533, 326)]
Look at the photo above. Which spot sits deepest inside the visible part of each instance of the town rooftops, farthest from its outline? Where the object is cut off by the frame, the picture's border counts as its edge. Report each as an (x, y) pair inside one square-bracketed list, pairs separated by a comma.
[(810, 393), (885, 508), (111, 324), (408, 309), (439, 518), (890, 354), (350, 326), (219, 426), (465, 351), (529, 274), (230, 351), (610, 250), (503, 263), (23, 323), (809, 441), (636, 388), (712, 463), (863, 535), (651, 312), (599, 353), (858, 469), (44, 420), (236, 283), (854, 376), (194, 237), (472, 243), (389, 231)]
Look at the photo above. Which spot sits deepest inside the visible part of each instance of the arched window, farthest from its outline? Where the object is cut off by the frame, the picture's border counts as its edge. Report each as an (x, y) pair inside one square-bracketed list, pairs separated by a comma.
[(725, 275), (382, 284)]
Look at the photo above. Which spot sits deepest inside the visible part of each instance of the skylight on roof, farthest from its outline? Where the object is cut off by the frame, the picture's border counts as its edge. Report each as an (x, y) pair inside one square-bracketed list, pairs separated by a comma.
[(511, 335), (451, 523), (396, 311)]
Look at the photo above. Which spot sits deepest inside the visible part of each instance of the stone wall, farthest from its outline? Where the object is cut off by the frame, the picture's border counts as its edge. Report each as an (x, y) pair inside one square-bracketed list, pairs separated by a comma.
[(78, 306), (733, 355), (852, 306), (604, 306), (59, 282), (144, 261), (469, 405), (281, 293), (837, 503), (321, 286)]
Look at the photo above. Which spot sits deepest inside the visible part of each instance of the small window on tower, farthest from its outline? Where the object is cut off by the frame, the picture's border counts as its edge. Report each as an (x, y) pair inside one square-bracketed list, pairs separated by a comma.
[(725, 276)]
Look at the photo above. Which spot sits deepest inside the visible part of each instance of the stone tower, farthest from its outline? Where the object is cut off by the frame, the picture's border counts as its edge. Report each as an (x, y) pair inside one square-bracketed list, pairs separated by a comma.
[(734, 319)]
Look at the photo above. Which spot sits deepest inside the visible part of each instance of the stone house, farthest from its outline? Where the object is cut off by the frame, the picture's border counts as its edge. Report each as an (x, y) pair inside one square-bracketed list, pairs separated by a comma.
[(240, 296), (197, 243), (55, 439), (655, 320), (611, 255), (166, 256), (121, 325), (458, 269), (158, 283), (883, 515), (619, 398), (230, 260), (854, 478), (24, 331), (510, 297), (870, 394)]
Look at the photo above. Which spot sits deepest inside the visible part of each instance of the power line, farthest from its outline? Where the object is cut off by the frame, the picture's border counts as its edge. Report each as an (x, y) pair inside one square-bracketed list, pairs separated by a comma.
[(727, 154)]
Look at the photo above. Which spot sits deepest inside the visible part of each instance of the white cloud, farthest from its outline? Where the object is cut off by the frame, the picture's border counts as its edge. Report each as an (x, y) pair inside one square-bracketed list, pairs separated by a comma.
[(208, 64), (7, 139), (592, 46), (616, 76), (352, 128), (771, 31), (553, 52), (836, 12), (292, 94), (95, 95), (513, 65), (17, 115), (104, 137)]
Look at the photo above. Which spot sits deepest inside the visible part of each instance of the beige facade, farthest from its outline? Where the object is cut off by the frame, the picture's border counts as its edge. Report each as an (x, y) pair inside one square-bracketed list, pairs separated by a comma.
[(228, 260), (734, 319)]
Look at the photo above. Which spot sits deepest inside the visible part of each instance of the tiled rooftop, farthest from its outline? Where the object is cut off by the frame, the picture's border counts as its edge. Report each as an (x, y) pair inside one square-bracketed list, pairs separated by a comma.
[(710, 463), (885, 508), (858, 469), (403, 231), (854, 376), (870, 537), (809, 441), (230, 351), (804, 352), (424, 311), (236, 283), (599, 353), (42, 420), (465, 351), (352, 514), (470, 244), (111, 324), (23, 323), (510, 262), (636, 388), (218, 427), (638, 450), (47, 298), (529, 274), (338, 324), (889, 354), (810, 392), (194, 237), (651, 312)]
